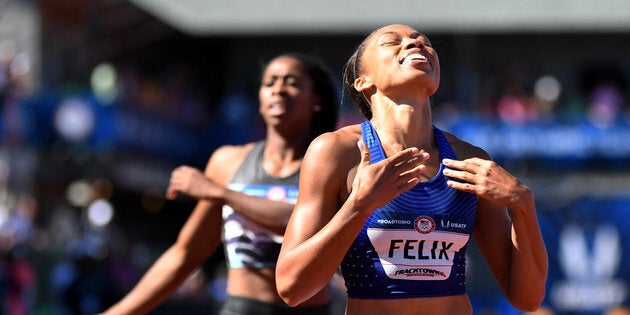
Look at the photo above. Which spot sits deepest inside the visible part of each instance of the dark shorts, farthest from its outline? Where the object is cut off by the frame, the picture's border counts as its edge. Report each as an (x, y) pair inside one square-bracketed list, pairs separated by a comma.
[(235, 305)]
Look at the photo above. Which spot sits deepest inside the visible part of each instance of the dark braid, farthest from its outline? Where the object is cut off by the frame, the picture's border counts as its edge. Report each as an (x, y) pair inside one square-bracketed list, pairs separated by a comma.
[(353, 69)]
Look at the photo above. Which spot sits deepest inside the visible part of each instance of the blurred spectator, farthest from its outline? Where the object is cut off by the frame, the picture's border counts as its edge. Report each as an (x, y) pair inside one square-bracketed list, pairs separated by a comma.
[(547, 90), (80, 284), (515, 106), (605, 105), (14, 85), (17, 277)]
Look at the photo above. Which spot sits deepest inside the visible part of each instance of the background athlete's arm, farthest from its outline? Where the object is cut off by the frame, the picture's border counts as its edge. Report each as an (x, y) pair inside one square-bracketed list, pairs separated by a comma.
[(198, 239), (271, 214)]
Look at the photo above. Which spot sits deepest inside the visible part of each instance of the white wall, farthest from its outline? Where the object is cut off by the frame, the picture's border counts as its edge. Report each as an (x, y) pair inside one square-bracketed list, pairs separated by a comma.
[(230, 17)]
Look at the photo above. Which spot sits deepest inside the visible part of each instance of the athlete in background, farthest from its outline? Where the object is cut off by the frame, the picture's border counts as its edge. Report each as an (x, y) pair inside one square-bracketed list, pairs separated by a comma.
[(248, 192)]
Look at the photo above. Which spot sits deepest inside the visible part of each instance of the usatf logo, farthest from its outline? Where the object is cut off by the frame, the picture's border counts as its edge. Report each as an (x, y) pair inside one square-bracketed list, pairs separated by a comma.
[(590, 265), (424, 224), (452, 225)]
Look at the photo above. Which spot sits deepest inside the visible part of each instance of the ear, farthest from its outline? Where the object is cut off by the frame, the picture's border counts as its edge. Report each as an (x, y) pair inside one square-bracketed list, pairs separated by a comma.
[(363, 83), (318, 103)]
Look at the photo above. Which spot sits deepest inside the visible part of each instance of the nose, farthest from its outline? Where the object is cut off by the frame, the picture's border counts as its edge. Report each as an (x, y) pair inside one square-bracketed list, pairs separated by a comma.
[(279, 86), (410, 42)]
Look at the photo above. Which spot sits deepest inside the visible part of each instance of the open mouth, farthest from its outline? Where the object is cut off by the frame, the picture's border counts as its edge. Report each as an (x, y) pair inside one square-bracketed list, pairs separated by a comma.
[(413, 58), (276, 109)]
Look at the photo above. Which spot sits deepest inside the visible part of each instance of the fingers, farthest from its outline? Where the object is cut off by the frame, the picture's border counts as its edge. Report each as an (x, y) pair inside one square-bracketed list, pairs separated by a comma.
[(473, 165), (407, 156), (465, 187), (410, 164), (173, 188), (178, 178), (171, 194), (461, 175), (410, 161), (365, 153)]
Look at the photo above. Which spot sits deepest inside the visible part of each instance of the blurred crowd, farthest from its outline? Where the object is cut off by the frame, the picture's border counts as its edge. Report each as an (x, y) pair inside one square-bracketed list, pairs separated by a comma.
[(603, 104), (69, 257)]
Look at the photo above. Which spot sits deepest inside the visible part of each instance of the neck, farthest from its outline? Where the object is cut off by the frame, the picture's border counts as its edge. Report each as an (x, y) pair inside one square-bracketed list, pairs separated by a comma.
[(283, 155), (401, 126), (285, 148)]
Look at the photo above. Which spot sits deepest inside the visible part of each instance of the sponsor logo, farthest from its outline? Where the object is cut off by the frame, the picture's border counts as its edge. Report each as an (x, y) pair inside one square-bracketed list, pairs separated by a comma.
[(424, 224), (386, 221), (420, 272), (590, 269), (450, 225)]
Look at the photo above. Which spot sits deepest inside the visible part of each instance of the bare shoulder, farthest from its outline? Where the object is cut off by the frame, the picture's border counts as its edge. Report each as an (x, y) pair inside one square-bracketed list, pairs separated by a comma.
[(231, 153), (336, 145), (331, 157), (226, 159), (465, 150), (326, 169)]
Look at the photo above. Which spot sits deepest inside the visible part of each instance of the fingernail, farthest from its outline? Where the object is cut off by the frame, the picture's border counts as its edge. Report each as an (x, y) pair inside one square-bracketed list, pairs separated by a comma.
[(446, 161)]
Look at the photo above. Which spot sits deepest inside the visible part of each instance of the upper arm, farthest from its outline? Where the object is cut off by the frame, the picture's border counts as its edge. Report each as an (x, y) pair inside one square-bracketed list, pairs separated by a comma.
[(201, 234), (323, 178)]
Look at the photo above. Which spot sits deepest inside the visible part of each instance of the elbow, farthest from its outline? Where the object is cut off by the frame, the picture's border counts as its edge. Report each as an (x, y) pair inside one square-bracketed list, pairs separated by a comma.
[(288, 301), (287, 291), (527, 307), (288, 298), (288, 288), (528, 301), (288, 295), (528, 292)]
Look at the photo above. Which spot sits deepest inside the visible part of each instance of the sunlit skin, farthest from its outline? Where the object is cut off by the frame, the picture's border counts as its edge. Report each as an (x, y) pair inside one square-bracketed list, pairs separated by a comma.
[(287, 103), (339, 188)]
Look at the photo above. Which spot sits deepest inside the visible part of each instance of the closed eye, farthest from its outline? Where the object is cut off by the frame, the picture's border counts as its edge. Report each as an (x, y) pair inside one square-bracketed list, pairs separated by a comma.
[(390, 43), (389, 39)]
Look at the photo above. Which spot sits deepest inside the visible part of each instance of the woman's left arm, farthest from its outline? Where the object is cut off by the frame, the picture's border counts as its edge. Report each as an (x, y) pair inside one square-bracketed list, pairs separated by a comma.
[(506, 228)]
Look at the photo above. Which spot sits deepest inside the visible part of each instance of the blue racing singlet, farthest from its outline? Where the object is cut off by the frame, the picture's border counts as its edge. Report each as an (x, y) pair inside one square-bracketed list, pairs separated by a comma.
[(415, 245), (247, 244)]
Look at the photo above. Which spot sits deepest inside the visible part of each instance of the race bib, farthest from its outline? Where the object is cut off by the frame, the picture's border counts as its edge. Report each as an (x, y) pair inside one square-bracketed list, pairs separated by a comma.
[(414, 247)]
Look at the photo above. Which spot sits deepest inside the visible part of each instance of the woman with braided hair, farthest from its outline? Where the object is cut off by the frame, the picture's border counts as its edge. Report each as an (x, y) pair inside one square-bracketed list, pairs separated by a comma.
[(397, 213)]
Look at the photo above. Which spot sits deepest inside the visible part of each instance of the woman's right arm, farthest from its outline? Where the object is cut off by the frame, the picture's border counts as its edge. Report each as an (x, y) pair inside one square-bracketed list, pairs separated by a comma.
[(197, 240), (320, 232)]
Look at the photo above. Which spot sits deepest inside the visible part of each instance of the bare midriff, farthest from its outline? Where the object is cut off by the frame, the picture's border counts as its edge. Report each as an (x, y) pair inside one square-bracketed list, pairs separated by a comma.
[(259, 284), (447, 305)]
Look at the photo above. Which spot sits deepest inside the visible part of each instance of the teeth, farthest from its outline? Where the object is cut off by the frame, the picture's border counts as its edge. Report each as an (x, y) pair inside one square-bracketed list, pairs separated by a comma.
[(276, 105), (276, 109), (416, 56)]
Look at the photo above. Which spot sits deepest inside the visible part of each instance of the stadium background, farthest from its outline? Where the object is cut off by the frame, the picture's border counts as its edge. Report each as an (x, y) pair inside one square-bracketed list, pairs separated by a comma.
[(101, 99)]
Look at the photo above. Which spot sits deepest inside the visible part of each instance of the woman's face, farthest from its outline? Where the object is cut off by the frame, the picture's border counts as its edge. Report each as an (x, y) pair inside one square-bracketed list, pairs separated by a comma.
[(287, 93), (396, 56)]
